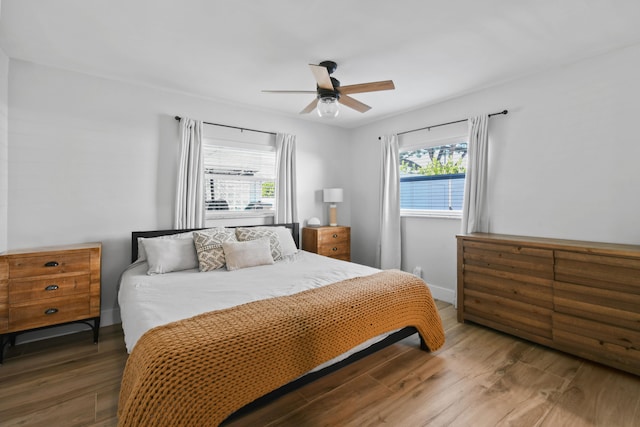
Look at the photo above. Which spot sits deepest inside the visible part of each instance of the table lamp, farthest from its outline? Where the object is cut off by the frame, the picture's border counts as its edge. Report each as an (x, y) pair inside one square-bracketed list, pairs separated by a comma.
[(332, 196)]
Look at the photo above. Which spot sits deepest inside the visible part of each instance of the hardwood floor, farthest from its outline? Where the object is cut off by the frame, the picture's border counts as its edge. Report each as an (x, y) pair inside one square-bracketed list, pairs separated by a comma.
[(479, 378)]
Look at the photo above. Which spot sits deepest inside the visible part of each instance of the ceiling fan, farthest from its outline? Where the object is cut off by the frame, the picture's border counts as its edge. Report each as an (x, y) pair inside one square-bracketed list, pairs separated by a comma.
[(329, 92)]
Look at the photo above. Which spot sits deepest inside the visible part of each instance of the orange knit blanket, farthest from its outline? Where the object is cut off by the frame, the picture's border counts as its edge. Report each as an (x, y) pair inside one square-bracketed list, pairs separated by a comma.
[(198, 371)]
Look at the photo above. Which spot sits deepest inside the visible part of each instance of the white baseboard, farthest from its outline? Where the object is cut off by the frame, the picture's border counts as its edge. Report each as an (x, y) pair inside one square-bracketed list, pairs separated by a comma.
[(442, 294)]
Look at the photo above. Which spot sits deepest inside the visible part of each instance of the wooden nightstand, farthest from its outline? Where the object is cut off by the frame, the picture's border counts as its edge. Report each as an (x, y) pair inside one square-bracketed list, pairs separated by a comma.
[(50, 286), (334, 242)]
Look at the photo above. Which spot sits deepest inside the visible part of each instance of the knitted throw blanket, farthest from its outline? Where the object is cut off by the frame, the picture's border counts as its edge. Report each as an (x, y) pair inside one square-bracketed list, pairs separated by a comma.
[(198, 371)]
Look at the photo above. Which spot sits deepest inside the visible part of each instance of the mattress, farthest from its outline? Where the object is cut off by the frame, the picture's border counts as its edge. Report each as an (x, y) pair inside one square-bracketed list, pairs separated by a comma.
[(147, 301), (200, 370)]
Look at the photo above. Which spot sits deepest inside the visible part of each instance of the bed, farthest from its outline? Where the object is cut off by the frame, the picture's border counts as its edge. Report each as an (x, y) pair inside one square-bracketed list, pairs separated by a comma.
[(204, 344)]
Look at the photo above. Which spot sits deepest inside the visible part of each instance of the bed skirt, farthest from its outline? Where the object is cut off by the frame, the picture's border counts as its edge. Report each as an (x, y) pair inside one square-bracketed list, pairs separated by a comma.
[(198, 371)]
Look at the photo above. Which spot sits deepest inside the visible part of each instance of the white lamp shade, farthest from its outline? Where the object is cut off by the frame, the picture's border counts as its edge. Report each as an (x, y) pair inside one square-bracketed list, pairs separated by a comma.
[(332, 195)]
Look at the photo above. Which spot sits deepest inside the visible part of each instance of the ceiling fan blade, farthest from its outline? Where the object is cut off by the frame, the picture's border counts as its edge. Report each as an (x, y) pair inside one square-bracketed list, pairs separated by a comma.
[(309, 108), (367, 87), (290, 91), (321, 75), (353, 103)]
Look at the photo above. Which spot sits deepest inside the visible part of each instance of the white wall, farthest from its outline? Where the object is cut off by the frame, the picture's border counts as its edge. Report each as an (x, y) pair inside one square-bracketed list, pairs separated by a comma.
[(4, 147), (91, 159), (563, 162)]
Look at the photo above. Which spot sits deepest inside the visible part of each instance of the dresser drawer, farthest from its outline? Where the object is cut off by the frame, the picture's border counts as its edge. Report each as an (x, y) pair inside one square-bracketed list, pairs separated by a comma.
[(603, 342), (48, 312), (49, 286), (22, 290), (47, 264)]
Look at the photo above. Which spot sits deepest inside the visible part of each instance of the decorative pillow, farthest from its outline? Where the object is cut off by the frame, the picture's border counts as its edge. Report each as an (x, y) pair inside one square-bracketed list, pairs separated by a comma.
[(167, 255), (208, 245), (250, 253), (285, 238), (142, 254), (253, 233)]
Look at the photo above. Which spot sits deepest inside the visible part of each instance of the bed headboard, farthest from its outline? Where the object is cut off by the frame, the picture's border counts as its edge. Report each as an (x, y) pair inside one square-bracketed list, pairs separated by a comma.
[(294, 227)]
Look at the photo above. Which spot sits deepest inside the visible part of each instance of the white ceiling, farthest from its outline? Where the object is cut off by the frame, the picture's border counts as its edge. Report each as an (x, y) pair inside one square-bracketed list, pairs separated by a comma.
[(231, 50)]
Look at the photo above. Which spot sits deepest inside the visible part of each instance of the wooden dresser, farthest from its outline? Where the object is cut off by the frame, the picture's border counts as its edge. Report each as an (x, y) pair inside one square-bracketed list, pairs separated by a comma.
[(578, 297), (334, 242), (49, 286)]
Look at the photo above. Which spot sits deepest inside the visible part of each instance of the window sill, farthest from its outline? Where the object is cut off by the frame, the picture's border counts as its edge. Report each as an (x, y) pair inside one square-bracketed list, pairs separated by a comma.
[(407, 213), (238, 214)]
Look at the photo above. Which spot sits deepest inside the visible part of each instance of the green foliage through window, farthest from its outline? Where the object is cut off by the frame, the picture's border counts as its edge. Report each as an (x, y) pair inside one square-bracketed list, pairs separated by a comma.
[(440, 160), (269, 189)]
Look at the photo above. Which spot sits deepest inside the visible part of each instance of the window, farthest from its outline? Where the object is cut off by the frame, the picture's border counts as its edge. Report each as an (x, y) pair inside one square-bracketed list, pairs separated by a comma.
[(239, 179), (432, 178)]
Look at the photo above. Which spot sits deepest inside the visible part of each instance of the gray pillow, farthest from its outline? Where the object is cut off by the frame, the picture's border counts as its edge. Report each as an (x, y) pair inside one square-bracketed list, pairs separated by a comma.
[(167, 255), (142, 254)]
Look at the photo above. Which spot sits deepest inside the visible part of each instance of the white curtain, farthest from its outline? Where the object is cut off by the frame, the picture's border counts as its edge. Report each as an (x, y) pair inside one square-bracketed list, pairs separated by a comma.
[(389, 246), (189, 211), (286, 203), (474, 208)]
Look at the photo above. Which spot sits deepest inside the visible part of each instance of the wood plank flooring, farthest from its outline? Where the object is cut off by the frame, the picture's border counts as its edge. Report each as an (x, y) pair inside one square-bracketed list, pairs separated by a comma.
[(479, 378)]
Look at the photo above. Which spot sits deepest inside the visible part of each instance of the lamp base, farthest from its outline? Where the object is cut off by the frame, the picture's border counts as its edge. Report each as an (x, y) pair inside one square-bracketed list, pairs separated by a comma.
[(333, 215)]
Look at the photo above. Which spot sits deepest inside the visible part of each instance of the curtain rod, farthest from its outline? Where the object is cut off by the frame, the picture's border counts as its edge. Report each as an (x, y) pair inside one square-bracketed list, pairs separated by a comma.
[(233, 127), (448, 123)]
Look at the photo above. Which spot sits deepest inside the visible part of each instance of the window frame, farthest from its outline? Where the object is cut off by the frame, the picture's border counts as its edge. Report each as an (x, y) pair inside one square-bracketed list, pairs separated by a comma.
[(416, 145), (263, 145)]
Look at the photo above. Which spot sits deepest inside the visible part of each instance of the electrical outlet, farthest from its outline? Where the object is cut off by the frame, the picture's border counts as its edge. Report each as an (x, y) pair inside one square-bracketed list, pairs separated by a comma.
[(417, 271)]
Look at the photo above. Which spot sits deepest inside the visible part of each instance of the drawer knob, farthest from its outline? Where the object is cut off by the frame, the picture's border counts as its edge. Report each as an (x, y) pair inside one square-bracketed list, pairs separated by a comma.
[(50, 311), (51, 288), (334, 249), (52, 264), (335, 235)]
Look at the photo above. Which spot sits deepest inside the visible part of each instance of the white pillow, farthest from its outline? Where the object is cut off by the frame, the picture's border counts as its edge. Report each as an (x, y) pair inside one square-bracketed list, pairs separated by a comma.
[(167, 255), (250, 253), (244, 234), (285, 237), (142, 254)]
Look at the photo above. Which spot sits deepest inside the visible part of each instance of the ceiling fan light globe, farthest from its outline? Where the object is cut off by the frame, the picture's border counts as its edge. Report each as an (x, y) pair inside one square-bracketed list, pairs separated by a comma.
[(328, 107)]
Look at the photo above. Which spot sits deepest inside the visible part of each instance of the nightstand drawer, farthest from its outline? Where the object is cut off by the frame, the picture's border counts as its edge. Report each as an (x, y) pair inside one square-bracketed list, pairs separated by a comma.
[(49, 311), (51, 287), (44, 265), (330, 237), (337, 250)]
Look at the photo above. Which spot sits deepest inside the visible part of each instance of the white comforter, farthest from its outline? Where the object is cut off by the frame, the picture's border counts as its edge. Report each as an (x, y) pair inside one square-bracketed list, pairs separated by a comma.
[(150, 301)]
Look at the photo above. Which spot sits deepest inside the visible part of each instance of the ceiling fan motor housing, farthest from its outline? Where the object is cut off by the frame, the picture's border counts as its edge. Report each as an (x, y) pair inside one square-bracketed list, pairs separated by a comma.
[(329, 65), (328, 93)]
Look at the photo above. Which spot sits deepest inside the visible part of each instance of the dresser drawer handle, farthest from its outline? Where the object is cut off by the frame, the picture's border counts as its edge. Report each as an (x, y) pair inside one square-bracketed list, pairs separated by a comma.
[(335, 235), (51, 288), (51, 311), (334, 249), (52, 264)]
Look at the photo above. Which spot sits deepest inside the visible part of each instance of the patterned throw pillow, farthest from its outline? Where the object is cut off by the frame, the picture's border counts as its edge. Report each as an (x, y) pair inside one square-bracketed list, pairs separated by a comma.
[(253, 233), (209, 247)]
